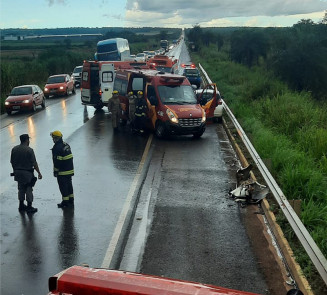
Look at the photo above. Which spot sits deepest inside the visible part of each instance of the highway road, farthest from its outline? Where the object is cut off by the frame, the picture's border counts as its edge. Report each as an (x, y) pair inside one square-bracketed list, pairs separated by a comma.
[(175, 192)]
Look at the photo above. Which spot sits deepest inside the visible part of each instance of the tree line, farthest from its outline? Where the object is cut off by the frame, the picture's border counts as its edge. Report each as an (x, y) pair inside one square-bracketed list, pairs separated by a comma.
[(297, 54)]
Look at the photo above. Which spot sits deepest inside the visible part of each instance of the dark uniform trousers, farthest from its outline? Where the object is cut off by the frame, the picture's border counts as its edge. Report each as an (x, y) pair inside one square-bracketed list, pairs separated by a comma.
[(66, 187)]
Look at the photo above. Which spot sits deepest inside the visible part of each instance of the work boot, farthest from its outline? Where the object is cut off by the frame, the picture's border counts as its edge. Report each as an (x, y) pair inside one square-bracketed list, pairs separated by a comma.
[(22, 207), (63, 204), (30, 209)]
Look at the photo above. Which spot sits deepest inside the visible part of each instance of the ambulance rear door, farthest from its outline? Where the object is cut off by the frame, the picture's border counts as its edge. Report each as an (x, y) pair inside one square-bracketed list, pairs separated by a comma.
[(107, 77)]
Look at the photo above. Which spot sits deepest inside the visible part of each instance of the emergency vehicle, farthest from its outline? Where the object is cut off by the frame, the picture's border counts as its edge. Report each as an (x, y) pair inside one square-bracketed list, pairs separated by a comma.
[(97, 80), (164, 63), (92, 281), (172, 104)]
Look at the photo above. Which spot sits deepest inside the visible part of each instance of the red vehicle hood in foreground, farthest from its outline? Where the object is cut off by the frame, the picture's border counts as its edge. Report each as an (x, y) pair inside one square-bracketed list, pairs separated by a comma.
[(83, 281)]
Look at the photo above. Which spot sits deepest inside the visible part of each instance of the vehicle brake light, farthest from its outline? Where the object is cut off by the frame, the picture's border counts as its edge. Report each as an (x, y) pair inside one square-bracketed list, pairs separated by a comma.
[(100, 92)]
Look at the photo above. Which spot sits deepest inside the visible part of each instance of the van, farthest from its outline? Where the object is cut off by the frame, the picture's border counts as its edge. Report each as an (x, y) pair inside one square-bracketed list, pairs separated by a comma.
[(172, 104), (97, 83), (98, 79)]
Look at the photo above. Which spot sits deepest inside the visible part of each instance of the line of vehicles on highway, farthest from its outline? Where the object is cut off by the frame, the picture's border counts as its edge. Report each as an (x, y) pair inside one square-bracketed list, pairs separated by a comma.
[(174, 105)]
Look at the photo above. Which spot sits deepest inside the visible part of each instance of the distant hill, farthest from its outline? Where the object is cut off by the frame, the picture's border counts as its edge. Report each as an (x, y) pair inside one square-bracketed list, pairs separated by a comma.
[(82, 30)]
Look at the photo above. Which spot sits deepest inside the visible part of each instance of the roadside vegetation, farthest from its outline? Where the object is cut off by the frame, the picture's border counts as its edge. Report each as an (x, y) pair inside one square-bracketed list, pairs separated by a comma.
[(275, 82)]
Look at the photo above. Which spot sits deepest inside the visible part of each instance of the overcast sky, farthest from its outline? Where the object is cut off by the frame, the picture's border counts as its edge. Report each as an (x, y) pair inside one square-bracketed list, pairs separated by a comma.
[(157, 13)]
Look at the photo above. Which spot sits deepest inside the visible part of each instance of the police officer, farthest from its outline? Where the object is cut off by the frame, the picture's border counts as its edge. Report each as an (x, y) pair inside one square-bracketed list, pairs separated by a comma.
[(140, 112), (115, 109), (63, 169), (23, 162), (132, 107)]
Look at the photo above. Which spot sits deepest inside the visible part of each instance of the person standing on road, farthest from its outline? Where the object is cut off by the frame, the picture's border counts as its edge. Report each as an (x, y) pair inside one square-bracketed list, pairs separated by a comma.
[(23, 162), (131, 103), (63, 169), (140, 112), (115, 109)]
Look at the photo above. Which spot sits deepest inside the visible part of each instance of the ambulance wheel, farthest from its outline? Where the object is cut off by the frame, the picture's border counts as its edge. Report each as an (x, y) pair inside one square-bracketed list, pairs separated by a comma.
[(160, 131)]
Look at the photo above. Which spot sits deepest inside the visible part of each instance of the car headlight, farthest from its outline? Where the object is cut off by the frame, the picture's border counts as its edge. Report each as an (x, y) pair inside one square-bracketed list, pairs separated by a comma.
[(7, 103), (61, 87), (171, 116), (46, 89), (203, 116)]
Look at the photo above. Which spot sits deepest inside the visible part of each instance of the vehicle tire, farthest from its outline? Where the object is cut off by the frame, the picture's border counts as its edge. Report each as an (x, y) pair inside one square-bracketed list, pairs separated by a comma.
[(199, 134), (8, 112), (46, 96), (73, 91), (219, 119), (98, 107), (160, 131), (34, 107), (43, 103)]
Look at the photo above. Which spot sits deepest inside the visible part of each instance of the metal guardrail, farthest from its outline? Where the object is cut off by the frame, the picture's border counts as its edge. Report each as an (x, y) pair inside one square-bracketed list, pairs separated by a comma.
[(302, 233)]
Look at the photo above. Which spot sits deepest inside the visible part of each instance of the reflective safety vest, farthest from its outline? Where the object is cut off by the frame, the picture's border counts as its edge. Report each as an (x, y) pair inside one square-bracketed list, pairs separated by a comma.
[(62, 159)]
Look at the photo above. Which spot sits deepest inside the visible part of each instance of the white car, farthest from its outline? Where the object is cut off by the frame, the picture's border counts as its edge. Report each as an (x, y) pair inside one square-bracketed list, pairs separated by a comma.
[(204, 96), (140, 57)]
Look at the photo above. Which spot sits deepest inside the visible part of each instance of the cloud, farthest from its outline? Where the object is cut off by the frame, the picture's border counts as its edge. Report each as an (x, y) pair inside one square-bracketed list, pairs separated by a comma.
[(204, 11)]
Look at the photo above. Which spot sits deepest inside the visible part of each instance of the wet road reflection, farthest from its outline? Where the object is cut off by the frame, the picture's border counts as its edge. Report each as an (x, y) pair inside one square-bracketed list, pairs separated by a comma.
[(68, 240), (33, 248)]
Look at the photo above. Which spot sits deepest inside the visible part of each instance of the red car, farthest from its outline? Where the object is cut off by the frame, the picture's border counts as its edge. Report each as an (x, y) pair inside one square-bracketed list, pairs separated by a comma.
[(59, 85), (25, 97)]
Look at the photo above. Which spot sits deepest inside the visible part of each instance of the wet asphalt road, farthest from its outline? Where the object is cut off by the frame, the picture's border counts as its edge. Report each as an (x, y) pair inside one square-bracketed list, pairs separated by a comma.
[(184, 225), (35, 247)]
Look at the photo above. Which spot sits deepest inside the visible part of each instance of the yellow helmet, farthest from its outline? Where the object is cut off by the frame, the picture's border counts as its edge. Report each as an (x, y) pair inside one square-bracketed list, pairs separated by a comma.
[(130, 93), (115, 92), (140, 93), (56, 133)]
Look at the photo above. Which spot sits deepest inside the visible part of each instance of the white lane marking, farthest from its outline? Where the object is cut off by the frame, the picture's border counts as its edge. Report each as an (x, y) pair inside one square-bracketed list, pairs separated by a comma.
[(119, 226)]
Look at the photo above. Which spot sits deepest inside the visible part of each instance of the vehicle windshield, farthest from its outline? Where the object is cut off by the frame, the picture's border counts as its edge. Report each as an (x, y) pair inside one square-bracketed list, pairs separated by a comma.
[(164, 69), (140, 55), (57, 79), (177, 94), (112, 56), (21, 91), (192, 72), (78, 70)]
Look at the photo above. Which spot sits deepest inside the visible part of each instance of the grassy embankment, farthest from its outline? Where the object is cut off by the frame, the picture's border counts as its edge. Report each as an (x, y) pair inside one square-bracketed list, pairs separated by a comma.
[(289, 129)]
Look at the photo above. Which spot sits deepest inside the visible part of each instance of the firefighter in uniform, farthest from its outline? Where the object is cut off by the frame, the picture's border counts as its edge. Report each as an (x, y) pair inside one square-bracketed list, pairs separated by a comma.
[(140, 112), (63, 169), (115, 109), (131, 103)]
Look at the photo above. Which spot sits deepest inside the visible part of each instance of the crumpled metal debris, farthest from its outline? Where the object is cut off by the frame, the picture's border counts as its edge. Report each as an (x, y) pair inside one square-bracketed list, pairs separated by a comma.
[(248, 190)]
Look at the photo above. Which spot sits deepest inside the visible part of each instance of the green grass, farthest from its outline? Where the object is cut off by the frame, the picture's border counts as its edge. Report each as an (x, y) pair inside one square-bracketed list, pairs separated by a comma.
[(286, 127)]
